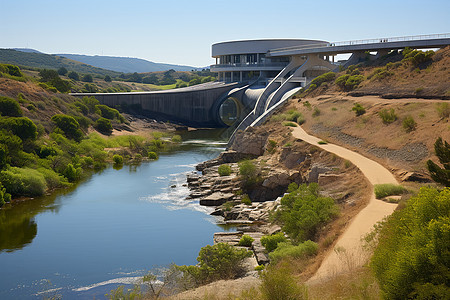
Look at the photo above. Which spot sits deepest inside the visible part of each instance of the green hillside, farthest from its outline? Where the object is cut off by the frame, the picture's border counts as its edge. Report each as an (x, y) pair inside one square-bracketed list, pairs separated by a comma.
[(46, 61)]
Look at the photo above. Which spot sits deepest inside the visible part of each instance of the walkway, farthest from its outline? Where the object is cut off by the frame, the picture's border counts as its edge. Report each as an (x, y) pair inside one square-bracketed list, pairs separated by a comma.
[(348, 252)]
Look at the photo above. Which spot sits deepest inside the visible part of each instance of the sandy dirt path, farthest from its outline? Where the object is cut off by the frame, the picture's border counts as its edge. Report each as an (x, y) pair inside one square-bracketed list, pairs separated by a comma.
[(348, 252)]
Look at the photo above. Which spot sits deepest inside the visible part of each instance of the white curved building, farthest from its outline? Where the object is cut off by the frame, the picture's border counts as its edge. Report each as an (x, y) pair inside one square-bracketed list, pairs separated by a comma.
[(239, 61)]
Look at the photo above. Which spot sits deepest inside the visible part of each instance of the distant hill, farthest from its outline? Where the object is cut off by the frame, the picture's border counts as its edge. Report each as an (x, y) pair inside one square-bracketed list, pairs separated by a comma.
[(125, 64), (47, 61), (29, 50)]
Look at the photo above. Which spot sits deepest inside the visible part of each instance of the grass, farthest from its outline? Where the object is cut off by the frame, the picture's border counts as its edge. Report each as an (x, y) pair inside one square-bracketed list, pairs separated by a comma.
[(289, 124), (388, 116), (388, 189), (322, 143)]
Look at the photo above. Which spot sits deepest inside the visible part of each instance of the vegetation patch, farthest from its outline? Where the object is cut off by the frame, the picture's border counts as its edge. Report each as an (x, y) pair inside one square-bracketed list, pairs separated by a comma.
[(409, 124), (387, 116), (246, 241), (285, 250), (358, 109), (224, 170), (387, 189)]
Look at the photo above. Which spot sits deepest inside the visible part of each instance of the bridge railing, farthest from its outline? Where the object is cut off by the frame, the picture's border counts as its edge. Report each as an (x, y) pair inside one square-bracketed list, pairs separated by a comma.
[(234, 65), (367, 41)]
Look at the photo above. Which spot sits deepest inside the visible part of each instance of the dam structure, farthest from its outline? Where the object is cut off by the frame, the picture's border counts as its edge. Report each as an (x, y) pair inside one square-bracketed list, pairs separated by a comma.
[(254, 77)]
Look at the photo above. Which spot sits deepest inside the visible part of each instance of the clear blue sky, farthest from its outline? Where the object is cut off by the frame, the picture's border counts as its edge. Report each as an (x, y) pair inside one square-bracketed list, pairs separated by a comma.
[(181, 32)]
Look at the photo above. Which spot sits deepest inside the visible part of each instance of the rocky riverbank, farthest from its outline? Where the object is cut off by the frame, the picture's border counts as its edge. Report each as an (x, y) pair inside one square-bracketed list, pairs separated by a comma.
[(295, 161)]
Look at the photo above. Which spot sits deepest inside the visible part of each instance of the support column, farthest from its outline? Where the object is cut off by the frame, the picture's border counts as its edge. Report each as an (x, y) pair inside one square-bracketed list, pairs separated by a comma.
[(240, 77), (232, 76)]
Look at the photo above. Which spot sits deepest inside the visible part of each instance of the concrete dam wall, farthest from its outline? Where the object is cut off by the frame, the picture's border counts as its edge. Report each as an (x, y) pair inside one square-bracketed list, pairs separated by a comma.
[(194, 106)]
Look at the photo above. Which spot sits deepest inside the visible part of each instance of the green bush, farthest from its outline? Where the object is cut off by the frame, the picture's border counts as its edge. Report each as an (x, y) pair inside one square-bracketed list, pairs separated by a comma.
[(387, 116), (71, 173), (387, 189), (4, 196), (73, 75), (292, 115), (13, 70), (9, 107), (303, 250), (176, 139), (271, 146), (23, 127), (87, 78), (358, 109), (409, 124), (277, 283), (270, 242), (412, 257), (246, 200), (304, 211), (152, 155), (316, 112), (443, 110), (327, 77), (104, 126), (110, 113), (220, 261), (322, 143), (117, 159), (289, 124), (349, 82), (246, 241), (53, 179), (68, 125), (91, 103), (224, 170), (249, 172), (23, 182)]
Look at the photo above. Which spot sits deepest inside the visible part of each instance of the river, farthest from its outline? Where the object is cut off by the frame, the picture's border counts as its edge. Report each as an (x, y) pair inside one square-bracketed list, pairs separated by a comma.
[(109, 230)]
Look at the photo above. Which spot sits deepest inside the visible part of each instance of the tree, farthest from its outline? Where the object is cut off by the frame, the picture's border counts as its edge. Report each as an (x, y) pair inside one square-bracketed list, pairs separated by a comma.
[(73, 75), (438, 174), (108, 78), (48, 75), (23, 127), (104, 126), (10, 107), (62, 71), (68, 125), (412, 258), (87, 78)]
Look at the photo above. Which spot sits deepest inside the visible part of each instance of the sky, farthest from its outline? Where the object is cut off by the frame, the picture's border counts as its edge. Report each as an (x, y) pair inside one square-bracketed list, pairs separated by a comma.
[(182, 32)]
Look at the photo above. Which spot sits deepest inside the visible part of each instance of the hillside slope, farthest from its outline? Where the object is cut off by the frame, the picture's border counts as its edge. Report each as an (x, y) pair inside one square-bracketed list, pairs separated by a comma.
[(125, 64), (46, 61)]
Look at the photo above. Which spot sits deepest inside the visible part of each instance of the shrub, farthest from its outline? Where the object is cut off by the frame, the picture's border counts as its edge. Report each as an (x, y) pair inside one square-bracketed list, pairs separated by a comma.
[(118, 159), (73, 75), (387, 189), (13, 70), (9, 107), (224, 170), (307, 104), (91, 103), (438, 174), (270, 242), (53, 179), (277, 283), (305, 249), (322, 143), (4, 196), (349, 82), (176, 139), (300, 120), (23, 182), (22, 127), (109, 113), (71, 173), (87, 78), (246, 200), (316, 112), (249, 172), (327, 77), (341, 80), (292, 115), (220, 261), (272, 146), (303, 211), (289, 124), (443, 110), (411, 259), (388, 116), (108, 78), (152, 155), (104, 126), (246, 241), (68, 125), (409, 124), (358, 109)]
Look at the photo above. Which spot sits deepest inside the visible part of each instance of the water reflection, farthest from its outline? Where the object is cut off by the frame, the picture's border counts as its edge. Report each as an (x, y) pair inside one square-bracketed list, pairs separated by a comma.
[(17, 225)]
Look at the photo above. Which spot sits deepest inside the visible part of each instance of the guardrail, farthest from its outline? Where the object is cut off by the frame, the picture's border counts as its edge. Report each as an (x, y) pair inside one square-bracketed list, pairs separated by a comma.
[(250, 65), (367, 41)]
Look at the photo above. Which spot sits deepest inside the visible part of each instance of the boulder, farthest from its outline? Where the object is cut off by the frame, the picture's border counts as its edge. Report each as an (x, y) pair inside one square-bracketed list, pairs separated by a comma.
[(249, 142), (216, 199), (327, 178), (315, 171)]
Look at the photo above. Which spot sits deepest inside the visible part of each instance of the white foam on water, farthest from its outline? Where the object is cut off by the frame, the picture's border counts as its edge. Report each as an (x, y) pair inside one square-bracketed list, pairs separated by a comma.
[(121, 280)]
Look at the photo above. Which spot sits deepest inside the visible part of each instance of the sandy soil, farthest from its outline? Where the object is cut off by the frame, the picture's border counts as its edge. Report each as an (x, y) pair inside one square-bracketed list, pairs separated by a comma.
[(348, 248)]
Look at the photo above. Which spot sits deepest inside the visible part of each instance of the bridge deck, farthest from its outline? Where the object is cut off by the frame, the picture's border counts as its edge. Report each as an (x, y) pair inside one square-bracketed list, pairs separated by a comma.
[(428, 41)]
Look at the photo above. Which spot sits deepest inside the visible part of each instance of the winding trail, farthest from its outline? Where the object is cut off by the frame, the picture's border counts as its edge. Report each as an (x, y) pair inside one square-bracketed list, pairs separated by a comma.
[(348, 252)]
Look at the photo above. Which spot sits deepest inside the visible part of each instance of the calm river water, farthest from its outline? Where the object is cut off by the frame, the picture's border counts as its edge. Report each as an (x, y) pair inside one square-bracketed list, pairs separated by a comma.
[(107, 231)]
